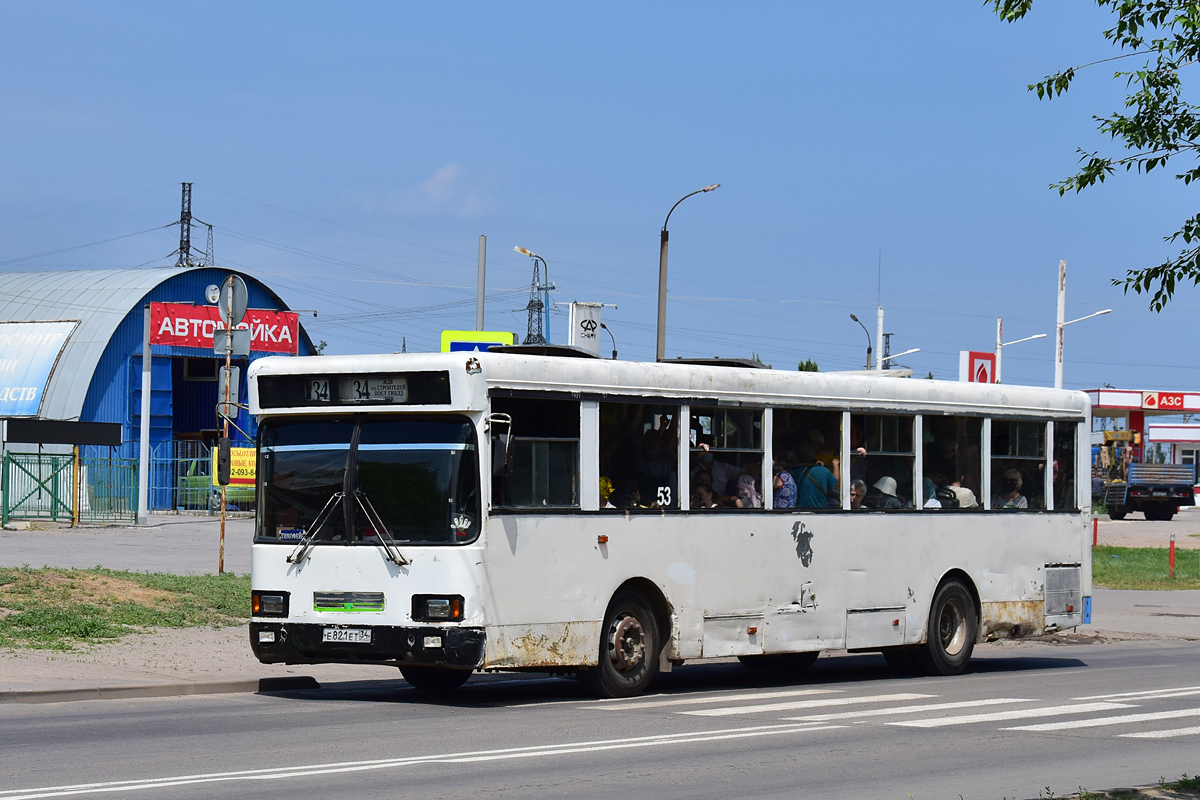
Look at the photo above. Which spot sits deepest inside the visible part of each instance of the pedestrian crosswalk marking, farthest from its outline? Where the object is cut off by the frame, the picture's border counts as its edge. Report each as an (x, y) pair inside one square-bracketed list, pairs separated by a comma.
[(998, 716), (692, 700), (1097, 722), (883, 712), (726, 711), (1162, 734), (1147, 693)]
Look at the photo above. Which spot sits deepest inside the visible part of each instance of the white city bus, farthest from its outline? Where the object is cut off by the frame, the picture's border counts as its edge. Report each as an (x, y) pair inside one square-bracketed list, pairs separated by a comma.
[(451, 512)]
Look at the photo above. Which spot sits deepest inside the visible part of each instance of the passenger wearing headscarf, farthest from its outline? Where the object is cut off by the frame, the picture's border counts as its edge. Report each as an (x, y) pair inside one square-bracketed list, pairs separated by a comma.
[(747, 492)]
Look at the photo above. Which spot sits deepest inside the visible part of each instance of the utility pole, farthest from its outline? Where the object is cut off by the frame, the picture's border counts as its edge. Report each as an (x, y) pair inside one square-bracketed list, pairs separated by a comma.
[(480, 283)]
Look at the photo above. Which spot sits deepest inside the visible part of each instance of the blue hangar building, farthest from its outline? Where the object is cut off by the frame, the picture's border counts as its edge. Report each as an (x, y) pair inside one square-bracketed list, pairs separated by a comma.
[(71, 349)]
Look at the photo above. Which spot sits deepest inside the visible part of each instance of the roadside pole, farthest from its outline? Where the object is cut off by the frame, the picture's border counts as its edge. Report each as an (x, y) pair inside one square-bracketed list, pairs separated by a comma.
[(225, 415), (1172, 555), (143, 513)]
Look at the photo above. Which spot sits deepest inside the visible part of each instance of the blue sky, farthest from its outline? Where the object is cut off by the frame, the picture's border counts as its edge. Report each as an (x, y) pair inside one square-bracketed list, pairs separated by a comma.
[(351, 155)]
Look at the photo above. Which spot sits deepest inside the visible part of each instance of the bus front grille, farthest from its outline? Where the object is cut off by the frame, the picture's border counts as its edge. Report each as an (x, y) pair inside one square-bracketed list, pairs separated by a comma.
[(348, 601)]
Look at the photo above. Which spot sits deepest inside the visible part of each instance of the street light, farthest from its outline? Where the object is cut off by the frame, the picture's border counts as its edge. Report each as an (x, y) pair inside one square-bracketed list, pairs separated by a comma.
[(868, 333), (661, 352), (1001, 344), (545, 287), (1058, 361), (893, 358)]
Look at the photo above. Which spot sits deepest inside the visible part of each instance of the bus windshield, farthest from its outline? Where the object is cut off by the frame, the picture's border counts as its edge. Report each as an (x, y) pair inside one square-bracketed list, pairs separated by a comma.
[(337, 479)]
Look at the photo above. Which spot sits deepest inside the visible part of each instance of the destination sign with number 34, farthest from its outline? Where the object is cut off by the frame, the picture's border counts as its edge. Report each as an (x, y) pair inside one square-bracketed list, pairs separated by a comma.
[(361, 389)]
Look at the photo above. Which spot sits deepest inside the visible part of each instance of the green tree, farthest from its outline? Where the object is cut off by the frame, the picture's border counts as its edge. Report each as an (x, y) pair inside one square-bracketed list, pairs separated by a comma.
[(1155, 125), (808, 365)]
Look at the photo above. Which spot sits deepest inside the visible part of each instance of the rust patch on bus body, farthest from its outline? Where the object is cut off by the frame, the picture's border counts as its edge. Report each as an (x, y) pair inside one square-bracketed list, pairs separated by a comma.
[(1012, 619), (553, 644)]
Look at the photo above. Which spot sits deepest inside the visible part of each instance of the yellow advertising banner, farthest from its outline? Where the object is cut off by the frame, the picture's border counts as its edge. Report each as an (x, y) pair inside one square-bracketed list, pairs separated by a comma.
[(241, 466)]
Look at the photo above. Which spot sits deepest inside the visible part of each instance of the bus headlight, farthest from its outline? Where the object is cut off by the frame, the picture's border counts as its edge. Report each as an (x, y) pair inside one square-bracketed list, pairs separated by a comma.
[(437, 608), (268, 604)]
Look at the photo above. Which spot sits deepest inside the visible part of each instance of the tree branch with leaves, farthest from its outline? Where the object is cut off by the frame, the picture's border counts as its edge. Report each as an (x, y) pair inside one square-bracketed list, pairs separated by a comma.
[(1156, 124)]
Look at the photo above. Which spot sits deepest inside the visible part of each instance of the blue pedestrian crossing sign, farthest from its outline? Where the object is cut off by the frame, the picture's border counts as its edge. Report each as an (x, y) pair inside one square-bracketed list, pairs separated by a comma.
[(456, 341)]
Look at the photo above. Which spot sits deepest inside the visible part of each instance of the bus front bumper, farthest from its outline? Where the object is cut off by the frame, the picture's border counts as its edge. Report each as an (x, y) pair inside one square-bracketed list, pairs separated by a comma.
[(302, 643)]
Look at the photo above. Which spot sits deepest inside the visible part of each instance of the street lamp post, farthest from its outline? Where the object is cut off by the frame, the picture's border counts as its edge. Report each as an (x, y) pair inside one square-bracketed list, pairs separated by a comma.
[(661, 350), (1001, 344), (885, 359), (868, 333), (1062, 309), (545, 288), (1058, 360)]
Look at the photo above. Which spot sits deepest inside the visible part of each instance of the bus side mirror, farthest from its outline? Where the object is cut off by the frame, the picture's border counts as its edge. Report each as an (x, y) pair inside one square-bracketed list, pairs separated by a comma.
[(223, 461)]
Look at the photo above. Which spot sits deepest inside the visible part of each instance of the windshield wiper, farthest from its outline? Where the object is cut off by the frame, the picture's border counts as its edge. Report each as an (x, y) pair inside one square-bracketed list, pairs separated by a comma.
[(306, 541), (386, 541)]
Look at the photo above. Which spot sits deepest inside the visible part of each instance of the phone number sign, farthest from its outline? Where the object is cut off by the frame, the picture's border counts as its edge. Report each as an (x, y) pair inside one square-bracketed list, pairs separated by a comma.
[(241, 466)]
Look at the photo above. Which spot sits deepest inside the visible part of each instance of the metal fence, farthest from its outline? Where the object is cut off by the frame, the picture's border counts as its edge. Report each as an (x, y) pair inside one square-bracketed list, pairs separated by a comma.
[(181, 481), (43, 486)]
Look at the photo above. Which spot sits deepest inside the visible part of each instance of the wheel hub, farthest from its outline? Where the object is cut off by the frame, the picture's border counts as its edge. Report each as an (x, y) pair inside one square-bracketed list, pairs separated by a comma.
[(952, 627), (627, 644)]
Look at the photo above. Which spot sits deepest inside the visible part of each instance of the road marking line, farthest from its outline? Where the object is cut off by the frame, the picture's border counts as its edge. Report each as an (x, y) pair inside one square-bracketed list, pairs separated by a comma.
[(883, 712), (997, 716), (798, 704), (1146, 692), (1162, 734), (708, 698), (277, 773), (1099, 721)]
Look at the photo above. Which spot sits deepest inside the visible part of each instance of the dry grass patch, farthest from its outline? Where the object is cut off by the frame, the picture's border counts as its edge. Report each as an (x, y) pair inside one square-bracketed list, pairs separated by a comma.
[(62, 608)]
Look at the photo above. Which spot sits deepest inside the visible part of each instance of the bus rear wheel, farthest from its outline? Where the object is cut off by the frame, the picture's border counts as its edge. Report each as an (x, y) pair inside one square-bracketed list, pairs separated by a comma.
[(629, 646), (435, 679), (953, 628), (780, 662)]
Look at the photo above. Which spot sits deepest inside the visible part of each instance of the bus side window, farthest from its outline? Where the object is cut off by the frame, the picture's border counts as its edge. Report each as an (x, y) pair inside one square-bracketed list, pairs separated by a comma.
[(726, 453), (1018, 464), (538, 465), (882, 457), (951, 461), (805, 443), (1065, 497), (639, 455)]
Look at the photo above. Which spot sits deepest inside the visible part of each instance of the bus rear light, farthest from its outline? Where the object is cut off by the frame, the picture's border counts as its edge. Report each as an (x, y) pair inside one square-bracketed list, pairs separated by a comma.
[(268, 604), (437, 608)]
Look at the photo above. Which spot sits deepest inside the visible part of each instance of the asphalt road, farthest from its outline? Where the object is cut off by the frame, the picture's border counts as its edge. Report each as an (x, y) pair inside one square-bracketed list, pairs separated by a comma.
[(1025, 717)]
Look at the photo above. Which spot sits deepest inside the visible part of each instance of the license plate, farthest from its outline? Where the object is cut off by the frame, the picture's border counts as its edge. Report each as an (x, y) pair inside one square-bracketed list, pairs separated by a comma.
[(352, 635)]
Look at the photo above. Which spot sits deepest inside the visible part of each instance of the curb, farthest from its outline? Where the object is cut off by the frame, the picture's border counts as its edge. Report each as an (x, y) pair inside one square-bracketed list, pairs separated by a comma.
[(161, 690)]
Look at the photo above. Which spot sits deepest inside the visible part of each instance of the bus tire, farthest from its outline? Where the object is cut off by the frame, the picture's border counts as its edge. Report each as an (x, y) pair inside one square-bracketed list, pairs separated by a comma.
[(435, 680), (1117, 513), (953, 628), (629, 646), (780, 662)]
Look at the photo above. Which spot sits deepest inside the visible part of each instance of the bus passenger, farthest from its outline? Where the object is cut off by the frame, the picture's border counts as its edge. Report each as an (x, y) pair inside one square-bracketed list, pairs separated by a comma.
[(883, 494), (606, 490), (705, 497), (1010, 491), (747, 492), (724, 476), (929, 492), (858, 492), (785, 489), (816, 486), (628, 495)]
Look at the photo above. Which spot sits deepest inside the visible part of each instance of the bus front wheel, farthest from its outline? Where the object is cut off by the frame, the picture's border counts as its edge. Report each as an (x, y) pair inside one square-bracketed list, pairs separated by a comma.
[(629, 646), (953, 628), (435, 679)]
